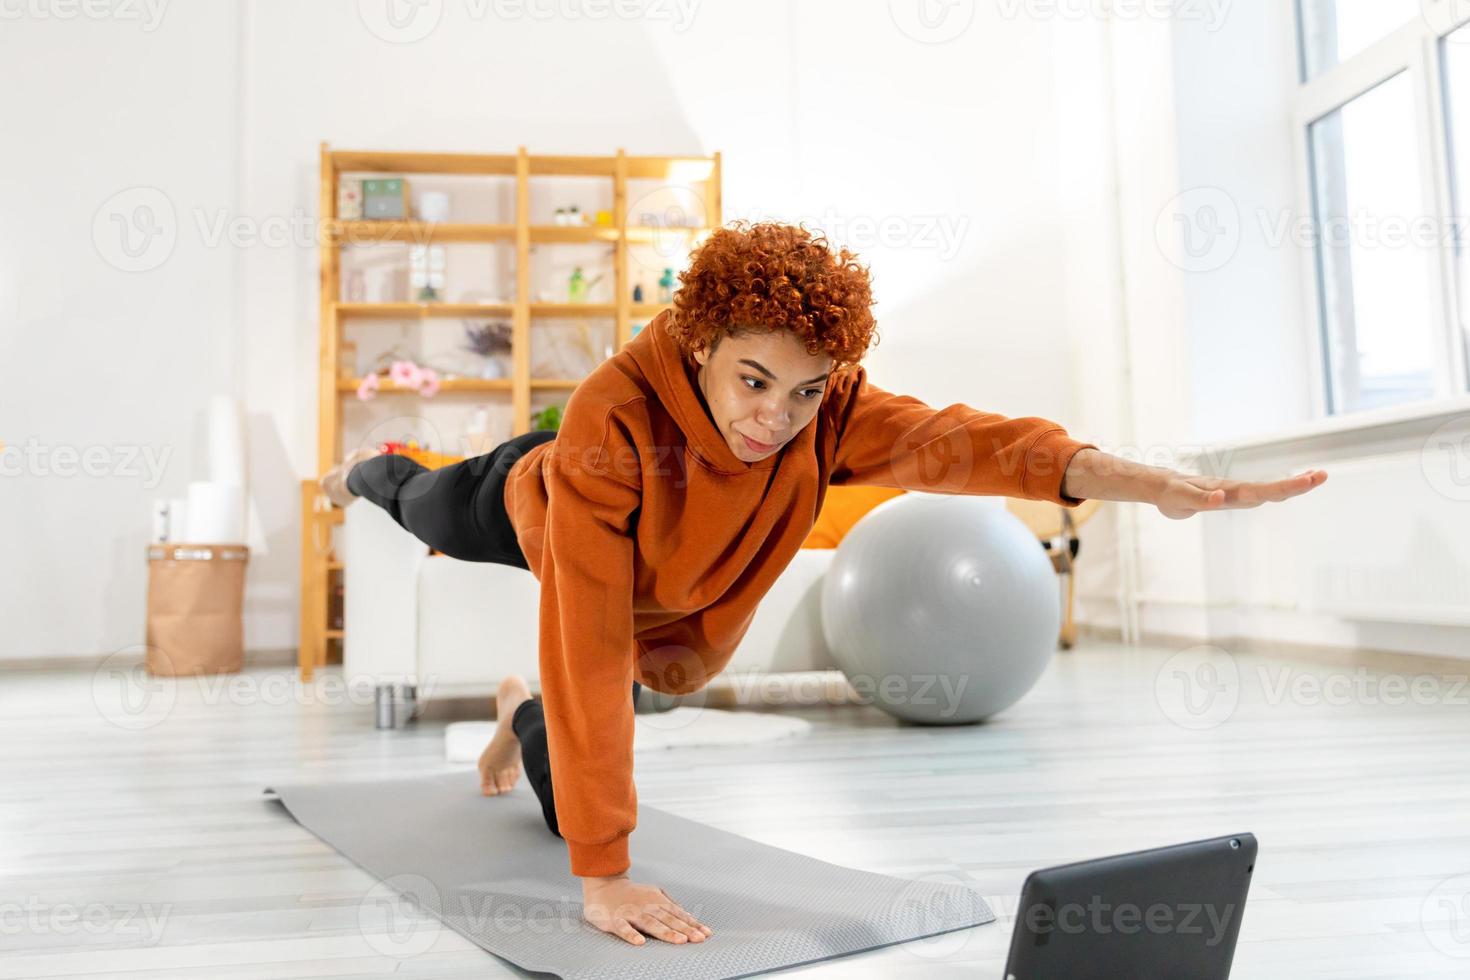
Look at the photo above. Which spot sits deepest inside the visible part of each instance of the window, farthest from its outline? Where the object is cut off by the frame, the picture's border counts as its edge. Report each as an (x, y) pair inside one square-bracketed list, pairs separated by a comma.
[(1455, 56), (1386, 91), (1374, 280), (1335, 30)]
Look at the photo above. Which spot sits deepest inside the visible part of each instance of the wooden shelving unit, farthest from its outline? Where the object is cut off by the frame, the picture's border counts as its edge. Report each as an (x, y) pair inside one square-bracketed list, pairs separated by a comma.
[(320, 567)]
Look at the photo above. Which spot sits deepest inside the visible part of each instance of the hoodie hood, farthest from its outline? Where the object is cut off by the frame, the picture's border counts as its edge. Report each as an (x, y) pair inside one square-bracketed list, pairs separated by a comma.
[(675, 377)]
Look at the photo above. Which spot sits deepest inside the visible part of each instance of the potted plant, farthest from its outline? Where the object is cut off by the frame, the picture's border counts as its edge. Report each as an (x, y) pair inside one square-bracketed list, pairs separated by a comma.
[(492, 342)]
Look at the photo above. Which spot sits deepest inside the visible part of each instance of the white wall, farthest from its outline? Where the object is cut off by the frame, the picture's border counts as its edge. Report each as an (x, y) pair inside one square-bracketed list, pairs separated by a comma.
[(106, 367), (831, 112)]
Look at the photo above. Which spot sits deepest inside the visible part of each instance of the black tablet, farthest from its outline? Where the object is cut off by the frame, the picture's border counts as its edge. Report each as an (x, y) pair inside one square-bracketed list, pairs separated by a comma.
[(1172, 913)]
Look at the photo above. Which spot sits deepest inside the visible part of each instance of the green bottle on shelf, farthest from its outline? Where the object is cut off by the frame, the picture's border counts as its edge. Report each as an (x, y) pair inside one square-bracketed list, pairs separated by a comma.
[(577, 286), (666, 286)]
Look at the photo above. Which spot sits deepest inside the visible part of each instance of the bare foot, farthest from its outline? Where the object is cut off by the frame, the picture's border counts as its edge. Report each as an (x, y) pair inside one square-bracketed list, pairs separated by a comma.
[(334, 481), (500, 763)]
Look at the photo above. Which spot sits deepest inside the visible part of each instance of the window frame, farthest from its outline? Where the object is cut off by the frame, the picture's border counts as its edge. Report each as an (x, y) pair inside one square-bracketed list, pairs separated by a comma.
[(1413, 49)]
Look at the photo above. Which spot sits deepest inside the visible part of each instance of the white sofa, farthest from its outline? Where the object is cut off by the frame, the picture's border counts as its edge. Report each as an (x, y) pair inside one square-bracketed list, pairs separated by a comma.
[(420, 626)]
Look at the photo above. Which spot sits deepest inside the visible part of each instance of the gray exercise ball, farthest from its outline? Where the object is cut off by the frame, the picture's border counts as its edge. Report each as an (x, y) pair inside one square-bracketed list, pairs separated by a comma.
[(941, 610)]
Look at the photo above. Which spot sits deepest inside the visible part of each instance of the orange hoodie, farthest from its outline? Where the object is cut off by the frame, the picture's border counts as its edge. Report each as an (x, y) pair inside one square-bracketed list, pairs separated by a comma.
[(653, 542)]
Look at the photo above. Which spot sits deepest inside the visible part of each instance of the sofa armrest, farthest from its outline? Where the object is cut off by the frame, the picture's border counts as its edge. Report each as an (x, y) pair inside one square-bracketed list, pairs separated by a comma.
[(380, 597), (786, 633)]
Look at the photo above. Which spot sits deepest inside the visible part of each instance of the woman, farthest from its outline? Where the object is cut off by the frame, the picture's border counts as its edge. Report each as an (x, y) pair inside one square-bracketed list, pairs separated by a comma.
[(688, 469)]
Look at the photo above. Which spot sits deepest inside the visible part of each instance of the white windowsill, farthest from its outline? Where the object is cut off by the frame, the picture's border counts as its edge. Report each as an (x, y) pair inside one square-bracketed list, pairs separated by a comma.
[(1430, 412)]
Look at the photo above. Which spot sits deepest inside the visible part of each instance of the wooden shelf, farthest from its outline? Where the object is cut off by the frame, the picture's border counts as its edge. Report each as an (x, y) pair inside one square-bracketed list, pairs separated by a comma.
[(463, 384), (521, 169), (573, 309), (423, 311), (375, 161), (573, 234), (419, 232), (445, 384)]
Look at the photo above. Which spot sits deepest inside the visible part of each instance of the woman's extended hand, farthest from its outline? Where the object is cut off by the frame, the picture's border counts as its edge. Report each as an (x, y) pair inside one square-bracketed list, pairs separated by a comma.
[(628, 910), (1092, 474), (1182, 495)]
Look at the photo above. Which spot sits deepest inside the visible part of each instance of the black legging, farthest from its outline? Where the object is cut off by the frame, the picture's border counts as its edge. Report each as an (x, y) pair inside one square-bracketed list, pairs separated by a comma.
[(460, 511)]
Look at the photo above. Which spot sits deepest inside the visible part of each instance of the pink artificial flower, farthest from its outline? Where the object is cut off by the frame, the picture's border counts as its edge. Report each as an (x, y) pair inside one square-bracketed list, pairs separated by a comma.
[(429, 382), (368, 388), (405, 374)]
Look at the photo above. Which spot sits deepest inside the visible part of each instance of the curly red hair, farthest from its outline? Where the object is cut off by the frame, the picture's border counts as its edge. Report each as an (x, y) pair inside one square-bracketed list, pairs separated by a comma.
[(773, 276)]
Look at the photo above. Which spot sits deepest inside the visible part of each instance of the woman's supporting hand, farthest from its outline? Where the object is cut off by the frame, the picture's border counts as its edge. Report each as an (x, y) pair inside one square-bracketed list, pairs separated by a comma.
[(629, 910)]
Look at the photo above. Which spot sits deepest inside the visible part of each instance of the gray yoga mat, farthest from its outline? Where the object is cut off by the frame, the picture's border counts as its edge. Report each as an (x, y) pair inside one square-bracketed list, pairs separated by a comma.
[(489, 869)]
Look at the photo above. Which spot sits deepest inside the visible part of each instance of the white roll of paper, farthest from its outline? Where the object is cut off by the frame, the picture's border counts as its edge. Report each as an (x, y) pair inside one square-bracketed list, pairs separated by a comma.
[(216, 513), (226, 441)]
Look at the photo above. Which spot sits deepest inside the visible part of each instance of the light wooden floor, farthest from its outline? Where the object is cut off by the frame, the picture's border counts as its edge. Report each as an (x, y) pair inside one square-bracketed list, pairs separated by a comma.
[(148, 853)]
